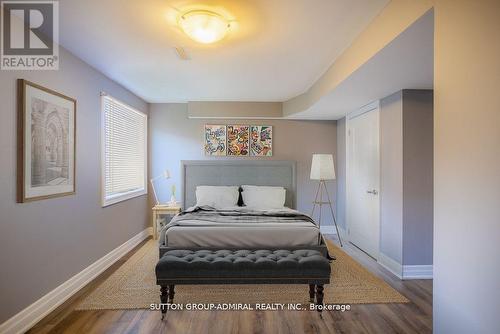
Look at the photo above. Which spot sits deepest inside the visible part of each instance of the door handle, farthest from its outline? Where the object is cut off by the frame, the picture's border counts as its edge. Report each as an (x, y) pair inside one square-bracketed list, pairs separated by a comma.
[(374, 192)]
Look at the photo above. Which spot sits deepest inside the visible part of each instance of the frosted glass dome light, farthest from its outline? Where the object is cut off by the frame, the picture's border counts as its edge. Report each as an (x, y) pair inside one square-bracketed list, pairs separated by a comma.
[(204, 26)]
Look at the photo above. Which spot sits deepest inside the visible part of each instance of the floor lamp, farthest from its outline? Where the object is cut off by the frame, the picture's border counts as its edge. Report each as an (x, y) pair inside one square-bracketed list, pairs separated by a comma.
[(322, 169)]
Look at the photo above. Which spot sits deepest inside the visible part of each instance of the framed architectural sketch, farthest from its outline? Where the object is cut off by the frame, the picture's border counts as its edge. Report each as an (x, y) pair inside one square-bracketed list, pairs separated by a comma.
[(238, 140), (215, 140), (261, 140), (46, 143)]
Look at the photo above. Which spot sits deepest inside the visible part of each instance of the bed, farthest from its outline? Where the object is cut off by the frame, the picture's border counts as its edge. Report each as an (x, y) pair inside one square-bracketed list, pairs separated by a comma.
[(240, 227)]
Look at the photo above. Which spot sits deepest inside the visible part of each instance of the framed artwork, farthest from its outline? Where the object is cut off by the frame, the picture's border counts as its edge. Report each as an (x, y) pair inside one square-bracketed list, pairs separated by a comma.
[(215, 140), (46, 143), (238, 140), (261, 140)]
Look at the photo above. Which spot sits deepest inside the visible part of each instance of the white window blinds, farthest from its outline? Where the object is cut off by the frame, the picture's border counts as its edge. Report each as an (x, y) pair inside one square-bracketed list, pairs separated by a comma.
[(124, 151)]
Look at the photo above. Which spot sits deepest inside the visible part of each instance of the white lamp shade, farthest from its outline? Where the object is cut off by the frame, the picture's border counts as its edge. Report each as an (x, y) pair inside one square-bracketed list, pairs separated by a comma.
[(322, 167)]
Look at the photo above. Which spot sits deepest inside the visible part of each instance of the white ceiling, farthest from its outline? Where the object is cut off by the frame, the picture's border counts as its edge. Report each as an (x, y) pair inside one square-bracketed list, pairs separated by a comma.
[(405, 63), (277, 49)]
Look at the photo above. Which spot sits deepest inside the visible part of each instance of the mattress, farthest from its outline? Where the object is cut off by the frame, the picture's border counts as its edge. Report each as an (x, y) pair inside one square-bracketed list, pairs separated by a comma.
[(268, 232)]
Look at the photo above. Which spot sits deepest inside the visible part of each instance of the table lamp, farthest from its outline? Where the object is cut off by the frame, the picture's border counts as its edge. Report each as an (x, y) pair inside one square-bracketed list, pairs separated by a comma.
[(164, 175)]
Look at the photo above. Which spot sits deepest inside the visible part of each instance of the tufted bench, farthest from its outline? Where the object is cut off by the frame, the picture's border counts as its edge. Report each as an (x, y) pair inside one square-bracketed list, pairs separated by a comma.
[(242, 267)]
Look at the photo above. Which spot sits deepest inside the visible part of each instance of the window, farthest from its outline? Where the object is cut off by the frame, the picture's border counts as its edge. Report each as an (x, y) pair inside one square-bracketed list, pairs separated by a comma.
[(124, 151)]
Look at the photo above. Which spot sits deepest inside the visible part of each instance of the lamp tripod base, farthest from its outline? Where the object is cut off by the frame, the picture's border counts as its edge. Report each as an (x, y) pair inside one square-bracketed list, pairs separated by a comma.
[(318, 200)]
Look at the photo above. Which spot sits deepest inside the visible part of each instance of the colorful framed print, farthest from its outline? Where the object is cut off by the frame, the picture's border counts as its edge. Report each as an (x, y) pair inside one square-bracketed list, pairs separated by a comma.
[(46, 143), (261, 140), (238, 140), (215, 140)]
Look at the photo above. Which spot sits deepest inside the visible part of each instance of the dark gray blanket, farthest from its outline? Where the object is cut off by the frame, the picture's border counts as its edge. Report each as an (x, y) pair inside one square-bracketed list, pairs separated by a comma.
[(208, 216), (241, 215)]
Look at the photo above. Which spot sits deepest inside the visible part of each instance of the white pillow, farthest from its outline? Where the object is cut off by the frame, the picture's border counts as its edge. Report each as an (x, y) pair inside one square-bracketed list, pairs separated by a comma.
[(217, 196), (263, 197)]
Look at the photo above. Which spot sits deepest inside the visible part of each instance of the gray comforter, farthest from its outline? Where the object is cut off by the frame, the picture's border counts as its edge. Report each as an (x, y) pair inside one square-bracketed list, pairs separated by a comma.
[(208, 216)]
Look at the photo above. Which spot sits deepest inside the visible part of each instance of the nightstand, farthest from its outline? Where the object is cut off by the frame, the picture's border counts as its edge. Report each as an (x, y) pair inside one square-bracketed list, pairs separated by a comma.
[(158, 211)]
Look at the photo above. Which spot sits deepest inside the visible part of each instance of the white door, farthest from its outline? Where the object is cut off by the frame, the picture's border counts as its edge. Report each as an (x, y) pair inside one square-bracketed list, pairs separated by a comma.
[(363, 206)]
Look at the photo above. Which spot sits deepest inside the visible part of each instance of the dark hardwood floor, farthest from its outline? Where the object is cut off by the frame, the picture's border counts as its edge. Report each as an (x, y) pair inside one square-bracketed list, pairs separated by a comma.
[(413, 317)]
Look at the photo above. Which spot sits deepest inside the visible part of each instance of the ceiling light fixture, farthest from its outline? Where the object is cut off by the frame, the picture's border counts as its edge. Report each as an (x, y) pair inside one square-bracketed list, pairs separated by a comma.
[(204, 26)]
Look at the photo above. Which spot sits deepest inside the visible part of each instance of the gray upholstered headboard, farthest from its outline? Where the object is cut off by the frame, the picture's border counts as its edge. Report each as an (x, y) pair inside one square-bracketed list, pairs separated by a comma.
[(236, 173)]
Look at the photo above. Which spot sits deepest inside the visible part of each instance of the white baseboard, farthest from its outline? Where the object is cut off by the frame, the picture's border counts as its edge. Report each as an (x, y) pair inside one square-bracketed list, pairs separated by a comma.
[(393, 266), (330, 229), (417, 272), (28, 317), (405, 272)]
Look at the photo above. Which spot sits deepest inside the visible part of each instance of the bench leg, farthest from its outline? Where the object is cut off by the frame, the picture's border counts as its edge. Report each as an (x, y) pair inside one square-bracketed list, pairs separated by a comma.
[(319, 297), (164, 300), (311, 292), (171, 294)]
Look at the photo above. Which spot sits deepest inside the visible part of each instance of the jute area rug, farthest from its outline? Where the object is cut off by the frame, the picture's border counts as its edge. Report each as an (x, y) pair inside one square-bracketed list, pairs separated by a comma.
[(133, 286)]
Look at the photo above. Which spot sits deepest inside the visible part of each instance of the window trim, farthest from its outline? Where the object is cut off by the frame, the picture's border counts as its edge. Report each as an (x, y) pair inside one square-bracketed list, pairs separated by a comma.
[(130, 194)]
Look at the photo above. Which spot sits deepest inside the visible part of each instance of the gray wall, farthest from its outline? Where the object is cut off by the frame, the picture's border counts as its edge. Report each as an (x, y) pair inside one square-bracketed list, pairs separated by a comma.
[(44, 243), (391, 177), (224, 109), (418, 127), (467, 167), (406, 176), (174, 137), (406, 186), (341, 165)]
